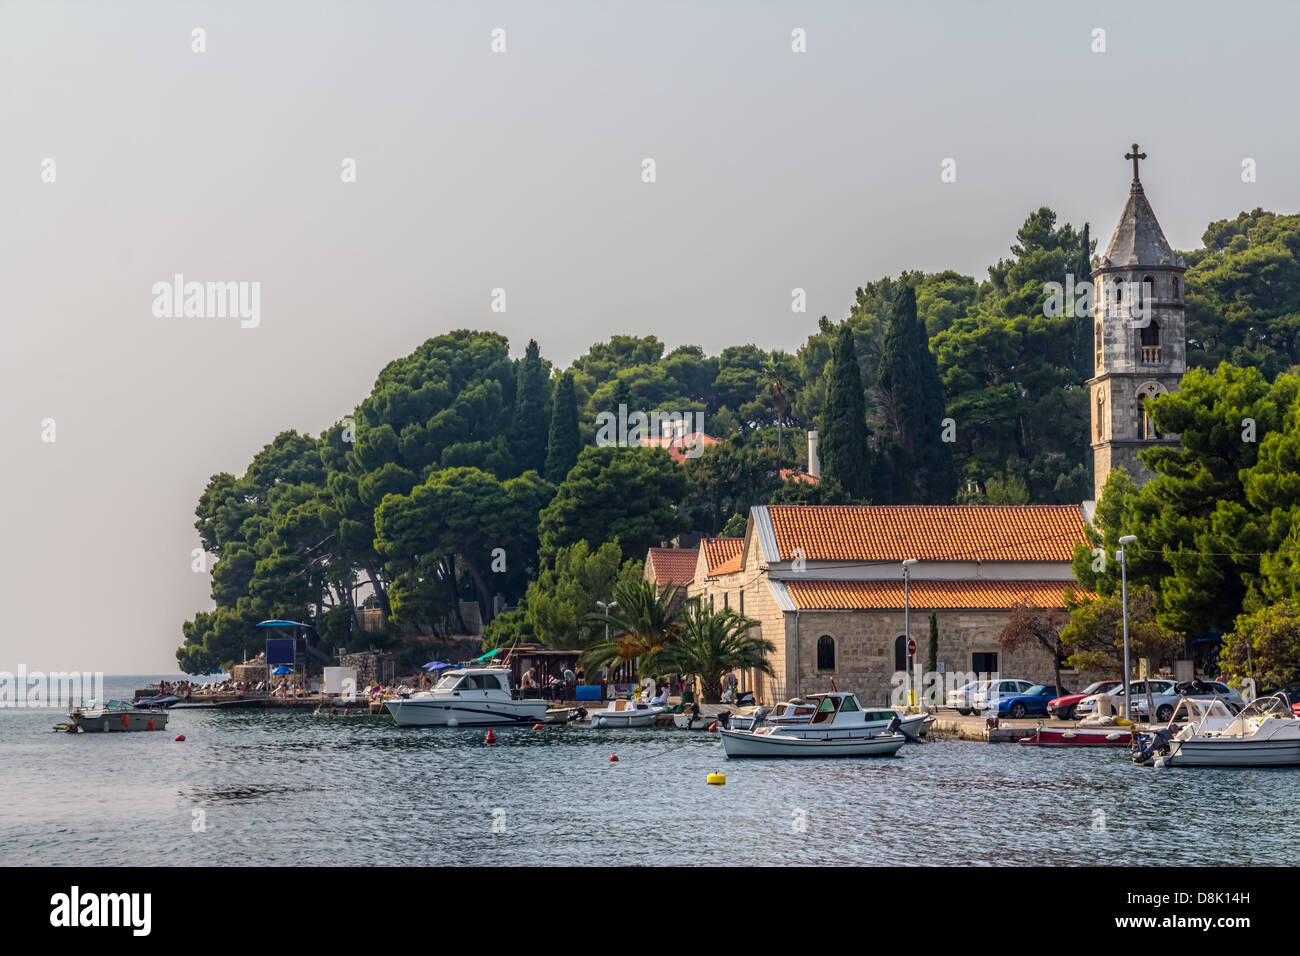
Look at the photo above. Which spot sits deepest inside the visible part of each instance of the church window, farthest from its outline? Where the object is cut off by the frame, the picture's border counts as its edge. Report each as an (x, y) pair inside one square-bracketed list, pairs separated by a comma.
[(826, 653), (1175, 287), (900, 652), (1098, 341), (1148, 289), (1150, 343)]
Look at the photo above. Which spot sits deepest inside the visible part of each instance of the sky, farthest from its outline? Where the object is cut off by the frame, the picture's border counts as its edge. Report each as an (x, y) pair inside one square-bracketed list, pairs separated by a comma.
[(128, 157)]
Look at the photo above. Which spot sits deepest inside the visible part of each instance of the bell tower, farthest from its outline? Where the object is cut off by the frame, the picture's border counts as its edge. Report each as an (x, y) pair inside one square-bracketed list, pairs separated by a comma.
[(1139, 336)]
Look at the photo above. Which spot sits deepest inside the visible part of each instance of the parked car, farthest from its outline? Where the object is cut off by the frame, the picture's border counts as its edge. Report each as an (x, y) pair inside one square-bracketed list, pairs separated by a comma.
[(1201, 690), (1088, 705), (1032, 702), (987, 697), (1063, 707), (1292, 692), (962, 697)]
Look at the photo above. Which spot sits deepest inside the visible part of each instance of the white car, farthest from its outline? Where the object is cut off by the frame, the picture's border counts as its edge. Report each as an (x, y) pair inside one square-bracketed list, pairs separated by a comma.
[(1088, 705), (1198, 690), (987, 696), (962, 697)]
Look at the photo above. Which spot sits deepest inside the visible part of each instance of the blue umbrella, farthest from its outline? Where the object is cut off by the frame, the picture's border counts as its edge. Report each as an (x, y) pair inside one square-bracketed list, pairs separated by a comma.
[(283, 669), (435, 666)]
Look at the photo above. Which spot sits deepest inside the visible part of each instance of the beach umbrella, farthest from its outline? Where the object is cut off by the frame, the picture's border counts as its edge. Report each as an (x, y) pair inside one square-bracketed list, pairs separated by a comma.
[(283, 669), (435, 666)]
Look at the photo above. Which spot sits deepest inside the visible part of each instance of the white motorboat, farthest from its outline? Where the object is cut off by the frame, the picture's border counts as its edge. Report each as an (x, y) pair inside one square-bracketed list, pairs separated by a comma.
[(467, 697), (626, 713), (1265, 734), (116, 715), (689, 721), (838, 727), (800, 711)]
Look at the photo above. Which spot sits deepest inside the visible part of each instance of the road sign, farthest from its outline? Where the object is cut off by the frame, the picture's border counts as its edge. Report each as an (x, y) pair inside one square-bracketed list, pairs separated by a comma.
[(911, 648)]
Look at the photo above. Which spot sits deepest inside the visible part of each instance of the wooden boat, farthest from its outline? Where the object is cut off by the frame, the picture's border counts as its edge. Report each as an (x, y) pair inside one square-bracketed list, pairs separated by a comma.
[(800, 711), (1114, 736)]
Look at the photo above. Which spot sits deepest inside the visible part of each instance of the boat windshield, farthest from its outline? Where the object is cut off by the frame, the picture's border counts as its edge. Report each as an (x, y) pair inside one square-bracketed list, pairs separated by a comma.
[(1198, 711), (1274, 706), (448, 682), (825, 711)]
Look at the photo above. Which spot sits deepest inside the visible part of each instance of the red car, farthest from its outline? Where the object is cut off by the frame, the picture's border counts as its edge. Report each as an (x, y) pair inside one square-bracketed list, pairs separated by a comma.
[(1063, 707)]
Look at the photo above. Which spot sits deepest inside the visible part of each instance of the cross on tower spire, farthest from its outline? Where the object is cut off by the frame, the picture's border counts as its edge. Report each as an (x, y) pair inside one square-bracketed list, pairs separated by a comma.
[(1135, 156)]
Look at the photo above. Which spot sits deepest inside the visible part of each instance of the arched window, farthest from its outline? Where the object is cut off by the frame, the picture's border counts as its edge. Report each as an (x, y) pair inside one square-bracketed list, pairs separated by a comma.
[(1148, 288), (1145, 393), (1150, 342), (1175, 287), (826, 653), (1097, 338), (900, 652)]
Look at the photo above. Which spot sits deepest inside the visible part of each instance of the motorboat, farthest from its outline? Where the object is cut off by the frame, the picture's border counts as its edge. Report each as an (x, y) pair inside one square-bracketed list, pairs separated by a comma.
[(626, 713), (800, 711), (116, 715), (839, 727), (467, 697), (1265, 734), (1115, 735), (158, 701), (692, 721)]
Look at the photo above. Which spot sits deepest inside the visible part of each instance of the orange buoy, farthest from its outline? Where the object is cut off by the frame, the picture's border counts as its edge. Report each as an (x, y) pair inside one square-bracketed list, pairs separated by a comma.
[(151, 724), (180, 737), (713, 727), (491, 737), (126, 720), (538, 726), (613, 758)]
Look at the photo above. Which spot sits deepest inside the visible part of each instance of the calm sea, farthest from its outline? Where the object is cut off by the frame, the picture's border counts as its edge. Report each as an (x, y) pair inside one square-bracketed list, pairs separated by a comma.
[(254, 787)]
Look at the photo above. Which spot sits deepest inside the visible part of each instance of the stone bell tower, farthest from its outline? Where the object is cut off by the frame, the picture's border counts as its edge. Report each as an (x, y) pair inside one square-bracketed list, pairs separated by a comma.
[(1139, 336)]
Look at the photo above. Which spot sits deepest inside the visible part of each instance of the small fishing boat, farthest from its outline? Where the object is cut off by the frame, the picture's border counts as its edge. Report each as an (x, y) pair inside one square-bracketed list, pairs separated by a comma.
[(626, 713), (466, 697), (116, 715), (1265, 734), (839, 728), (689, 721), (1113, 736), (800, 711)]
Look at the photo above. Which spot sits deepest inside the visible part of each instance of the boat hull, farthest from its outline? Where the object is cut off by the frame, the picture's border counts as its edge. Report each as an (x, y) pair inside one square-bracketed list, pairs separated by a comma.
[(120, 721), (687, 722), (1079, 737), (1230, 752), (631, 719), (740, 743), (445, 713)]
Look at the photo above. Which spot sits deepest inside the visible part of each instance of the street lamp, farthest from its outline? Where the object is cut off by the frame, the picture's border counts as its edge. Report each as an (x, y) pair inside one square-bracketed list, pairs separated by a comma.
[(907, 631), (1123, 585), (604, 607)]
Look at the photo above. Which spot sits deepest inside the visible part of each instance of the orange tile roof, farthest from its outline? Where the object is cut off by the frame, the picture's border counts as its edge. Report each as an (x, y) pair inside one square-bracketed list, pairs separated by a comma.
[(678, 446), (789, 474), (673, 564), (928, 532), (925, 595), (720, 553)]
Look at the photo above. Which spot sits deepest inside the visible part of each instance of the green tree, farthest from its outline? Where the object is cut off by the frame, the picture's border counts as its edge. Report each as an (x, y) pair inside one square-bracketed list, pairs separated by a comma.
[(710, 645), (645, 619), (1265, 646), (1094, 635), (532, 411), (911, 397), (559, 604), (1029, 625), (932, 650), (843, 448), (631, 494), (565, 440)]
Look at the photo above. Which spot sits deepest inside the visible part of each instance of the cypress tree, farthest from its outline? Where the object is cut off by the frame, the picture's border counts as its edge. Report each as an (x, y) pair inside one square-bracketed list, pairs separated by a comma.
[(920, 461), (932, 655), (528, 429), (843, 451), (564, 441)]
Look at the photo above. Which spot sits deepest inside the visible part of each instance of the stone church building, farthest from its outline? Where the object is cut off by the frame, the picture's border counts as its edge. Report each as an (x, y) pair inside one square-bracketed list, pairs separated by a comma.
[(826, 583)]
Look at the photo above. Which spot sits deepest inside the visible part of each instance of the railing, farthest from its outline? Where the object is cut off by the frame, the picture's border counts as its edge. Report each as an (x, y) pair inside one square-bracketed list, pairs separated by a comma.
[(1150, 354)]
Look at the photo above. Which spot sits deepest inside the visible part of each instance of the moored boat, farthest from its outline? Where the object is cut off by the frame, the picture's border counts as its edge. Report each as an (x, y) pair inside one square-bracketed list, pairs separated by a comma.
[(116, 715), (1114, 736), (1265, 734), (626, 713), (800, 712), (838, 727), (467, 697)]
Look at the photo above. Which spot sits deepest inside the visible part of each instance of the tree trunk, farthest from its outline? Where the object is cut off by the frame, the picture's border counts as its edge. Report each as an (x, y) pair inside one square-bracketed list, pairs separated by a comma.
[(381, 595), (711, 689)]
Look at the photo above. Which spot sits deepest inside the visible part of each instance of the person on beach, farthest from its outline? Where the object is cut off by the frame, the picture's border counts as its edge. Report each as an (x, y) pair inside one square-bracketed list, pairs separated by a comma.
[(529, 681)]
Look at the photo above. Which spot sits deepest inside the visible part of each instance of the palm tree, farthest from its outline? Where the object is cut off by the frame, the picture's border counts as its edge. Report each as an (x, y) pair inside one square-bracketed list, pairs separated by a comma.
[(778, 370), (711, 645), (645, 619)]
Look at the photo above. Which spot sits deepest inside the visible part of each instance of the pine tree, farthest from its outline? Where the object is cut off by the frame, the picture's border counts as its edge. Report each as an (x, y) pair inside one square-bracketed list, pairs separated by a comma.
[(844, 453), (528, 430), (920, 461), (564, 441)]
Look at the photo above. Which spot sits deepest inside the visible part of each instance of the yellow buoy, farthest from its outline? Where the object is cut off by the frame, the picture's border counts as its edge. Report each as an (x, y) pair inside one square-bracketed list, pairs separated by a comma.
[(718, 778)]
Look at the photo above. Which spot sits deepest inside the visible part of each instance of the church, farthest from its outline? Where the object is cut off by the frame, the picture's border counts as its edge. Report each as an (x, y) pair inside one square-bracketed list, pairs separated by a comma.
[(828, 585)]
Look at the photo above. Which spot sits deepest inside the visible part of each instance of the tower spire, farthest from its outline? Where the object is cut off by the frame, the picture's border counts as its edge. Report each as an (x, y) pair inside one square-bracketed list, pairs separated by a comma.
[(1135, 156)]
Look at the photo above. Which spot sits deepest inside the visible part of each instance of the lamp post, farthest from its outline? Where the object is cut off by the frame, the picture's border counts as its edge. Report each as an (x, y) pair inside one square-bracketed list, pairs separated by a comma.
[(604, 607), (907, 630), (1123, 590)]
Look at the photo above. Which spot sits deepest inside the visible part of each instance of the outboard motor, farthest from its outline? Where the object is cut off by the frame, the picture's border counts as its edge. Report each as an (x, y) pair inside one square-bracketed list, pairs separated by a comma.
[(745, 698), (579, 714), (1159, 745), (894, 724), (724, 720)]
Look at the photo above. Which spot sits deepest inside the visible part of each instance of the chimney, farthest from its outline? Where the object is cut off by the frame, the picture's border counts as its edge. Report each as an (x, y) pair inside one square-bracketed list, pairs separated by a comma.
[(814, 463)]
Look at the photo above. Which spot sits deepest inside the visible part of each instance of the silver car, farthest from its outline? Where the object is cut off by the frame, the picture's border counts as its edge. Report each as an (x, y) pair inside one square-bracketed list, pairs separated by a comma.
[(1088, 705), (1208, 690)]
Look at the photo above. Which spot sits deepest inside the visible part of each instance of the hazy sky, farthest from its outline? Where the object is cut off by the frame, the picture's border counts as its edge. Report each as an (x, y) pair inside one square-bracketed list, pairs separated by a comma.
[(518, 170)]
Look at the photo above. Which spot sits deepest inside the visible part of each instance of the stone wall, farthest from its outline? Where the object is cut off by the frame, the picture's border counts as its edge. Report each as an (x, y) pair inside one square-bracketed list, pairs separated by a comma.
[(369, 665)]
